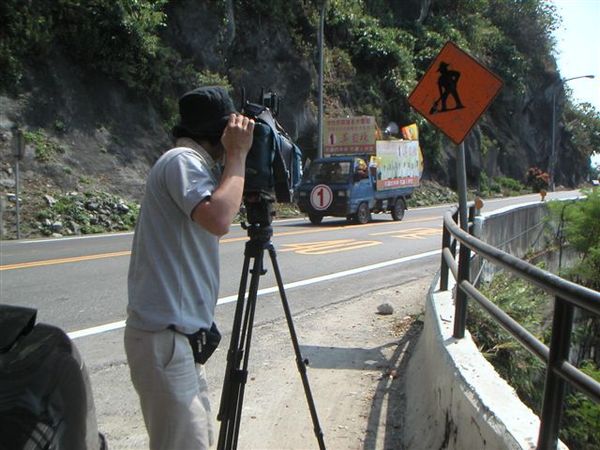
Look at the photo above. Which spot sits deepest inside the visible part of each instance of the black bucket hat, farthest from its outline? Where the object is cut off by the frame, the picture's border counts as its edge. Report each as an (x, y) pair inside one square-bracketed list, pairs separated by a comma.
[(204, 112)]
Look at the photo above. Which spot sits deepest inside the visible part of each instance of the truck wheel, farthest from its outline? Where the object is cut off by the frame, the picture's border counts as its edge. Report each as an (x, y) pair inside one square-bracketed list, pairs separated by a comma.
[(398, 209), (314, 219), (363, 214)]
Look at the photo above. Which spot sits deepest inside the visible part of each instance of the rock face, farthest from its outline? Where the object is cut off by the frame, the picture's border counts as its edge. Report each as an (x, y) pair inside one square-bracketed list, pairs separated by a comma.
[(262, 55), (112, 136)]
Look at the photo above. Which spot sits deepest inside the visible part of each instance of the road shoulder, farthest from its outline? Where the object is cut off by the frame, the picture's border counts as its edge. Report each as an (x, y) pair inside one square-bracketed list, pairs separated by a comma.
[(357, 359)]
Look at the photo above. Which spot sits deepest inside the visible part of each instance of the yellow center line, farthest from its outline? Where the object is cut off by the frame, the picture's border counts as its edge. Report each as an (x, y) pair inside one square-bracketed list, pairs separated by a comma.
[(408, 231), (50, 262), (325, 247)]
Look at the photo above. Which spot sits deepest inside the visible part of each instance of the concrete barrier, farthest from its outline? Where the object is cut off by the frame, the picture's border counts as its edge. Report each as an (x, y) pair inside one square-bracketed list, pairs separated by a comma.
[(516, 230), (455, 399)]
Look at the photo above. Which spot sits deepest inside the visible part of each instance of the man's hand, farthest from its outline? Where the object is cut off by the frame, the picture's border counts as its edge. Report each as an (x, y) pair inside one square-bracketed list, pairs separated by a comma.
[(216, 213), (237, 137)]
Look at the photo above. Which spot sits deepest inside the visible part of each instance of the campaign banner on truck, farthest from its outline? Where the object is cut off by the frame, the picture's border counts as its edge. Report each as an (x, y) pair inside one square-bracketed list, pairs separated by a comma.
[(349, 135), (398, 164)]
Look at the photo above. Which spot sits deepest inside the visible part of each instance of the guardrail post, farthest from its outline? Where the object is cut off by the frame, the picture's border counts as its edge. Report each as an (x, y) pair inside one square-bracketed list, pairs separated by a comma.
[(450, 243), (454, 241), (444, 269), (460, 311), (554, 389), (472, 213), (464, 273)]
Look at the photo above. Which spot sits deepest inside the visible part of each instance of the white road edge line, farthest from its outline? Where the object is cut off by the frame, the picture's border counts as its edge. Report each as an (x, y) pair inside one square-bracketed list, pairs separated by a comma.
[(232, 298)]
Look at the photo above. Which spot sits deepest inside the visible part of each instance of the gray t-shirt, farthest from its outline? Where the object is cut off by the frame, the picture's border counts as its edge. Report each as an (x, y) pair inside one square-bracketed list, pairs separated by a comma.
[(174, 269)]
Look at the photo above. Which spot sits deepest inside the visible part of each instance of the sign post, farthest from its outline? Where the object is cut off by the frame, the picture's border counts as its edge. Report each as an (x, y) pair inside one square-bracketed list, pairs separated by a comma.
[(453, 94), (19, 151)]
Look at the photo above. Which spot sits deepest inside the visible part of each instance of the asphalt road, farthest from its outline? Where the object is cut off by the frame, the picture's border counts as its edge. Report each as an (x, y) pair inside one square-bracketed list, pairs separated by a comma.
[(79, 284)]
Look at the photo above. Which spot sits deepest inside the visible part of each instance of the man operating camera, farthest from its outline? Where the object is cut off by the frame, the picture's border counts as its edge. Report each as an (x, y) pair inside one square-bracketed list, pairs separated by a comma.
[(173, 279)]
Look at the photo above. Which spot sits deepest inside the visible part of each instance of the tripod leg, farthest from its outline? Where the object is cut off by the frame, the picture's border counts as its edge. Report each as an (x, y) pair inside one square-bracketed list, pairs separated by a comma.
[(230, 390), (300, 362), (232, 396), (257, 271)]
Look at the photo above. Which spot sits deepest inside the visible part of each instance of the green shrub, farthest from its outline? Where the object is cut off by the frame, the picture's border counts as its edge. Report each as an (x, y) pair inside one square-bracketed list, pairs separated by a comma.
[(581, 221), (510, 184), (499, 185), (488, 186), (45, 148), (582, 416), (527, 305)]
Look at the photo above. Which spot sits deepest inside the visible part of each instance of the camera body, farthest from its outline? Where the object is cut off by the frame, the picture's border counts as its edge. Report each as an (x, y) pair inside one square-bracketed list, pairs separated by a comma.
[(274, 162)]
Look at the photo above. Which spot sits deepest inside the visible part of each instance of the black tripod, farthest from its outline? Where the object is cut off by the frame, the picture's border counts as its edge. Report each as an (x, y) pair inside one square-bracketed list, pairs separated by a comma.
[(260, 232)]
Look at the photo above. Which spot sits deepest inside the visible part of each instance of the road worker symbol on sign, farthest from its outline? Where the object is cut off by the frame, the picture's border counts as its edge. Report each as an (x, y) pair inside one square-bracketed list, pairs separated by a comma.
[(454, 92), (448, 86), (321, 197)]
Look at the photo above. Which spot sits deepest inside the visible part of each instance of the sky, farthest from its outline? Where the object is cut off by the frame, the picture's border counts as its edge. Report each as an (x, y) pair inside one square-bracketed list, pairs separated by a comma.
[(578, 45)]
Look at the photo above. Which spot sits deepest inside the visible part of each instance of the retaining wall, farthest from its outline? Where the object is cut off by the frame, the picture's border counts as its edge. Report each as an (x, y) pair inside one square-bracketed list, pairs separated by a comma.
[(454, 397)]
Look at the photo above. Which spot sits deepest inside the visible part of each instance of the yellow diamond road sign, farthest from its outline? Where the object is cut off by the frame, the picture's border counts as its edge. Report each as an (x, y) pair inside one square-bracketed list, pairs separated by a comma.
[(454, 92)]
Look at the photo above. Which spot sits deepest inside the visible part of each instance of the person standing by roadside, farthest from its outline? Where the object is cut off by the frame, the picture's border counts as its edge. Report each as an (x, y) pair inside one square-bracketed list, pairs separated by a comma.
[(173, 278)]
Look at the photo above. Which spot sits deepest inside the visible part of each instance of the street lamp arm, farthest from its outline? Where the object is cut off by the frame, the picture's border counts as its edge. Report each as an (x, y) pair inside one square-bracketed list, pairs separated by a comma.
[(575, 78), (562, 81), (553, 150)]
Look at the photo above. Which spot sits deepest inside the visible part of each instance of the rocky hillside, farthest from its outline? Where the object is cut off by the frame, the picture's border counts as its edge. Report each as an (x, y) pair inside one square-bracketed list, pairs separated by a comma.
[(94, 84)]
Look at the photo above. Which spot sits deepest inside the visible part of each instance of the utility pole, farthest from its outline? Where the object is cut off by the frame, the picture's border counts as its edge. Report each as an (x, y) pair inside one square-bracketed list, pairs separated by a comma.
[(321, 45), (19, 151)]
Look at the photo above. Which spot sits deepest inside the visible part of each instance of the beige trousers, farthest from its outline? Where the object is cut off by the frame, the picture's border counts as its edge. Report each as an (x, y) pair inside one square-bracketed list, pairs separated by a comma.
[(172, 389)]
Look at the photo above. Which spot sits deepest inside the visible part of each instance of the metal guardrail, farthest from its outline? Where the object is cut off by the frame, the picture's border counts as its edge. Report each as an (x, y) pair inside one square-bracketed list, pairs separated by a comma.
[(567, 295)]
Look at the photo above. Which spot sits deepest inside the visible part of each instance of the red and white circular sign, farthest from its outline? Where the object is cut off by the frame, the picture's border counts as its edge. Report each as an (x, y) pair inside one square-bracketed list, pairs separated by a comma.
[(321, 197)]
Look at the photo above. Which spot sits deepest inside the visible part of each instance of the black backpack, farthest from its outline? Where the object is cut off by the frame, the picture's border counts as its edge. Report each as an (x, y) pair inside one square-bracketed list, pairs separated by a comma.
[(45, 394)]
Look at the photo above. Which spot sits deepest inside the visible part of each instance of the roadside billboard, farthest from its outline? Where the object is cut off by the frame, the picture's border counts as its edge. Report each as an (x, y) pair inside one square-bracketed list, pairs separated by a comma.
[(399, 163), (349, 135)]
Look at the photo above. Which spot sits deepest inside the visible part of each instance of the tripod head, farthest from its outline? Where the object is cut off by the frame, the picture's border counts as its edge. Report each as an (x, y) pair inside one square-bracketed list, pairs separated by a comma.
[(259, 214)]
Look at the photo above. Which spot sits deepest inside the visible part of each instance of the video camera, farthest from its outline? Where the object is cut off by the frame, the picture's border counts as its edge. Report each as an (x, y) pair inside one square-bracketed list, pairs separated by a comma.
[(274, 163)]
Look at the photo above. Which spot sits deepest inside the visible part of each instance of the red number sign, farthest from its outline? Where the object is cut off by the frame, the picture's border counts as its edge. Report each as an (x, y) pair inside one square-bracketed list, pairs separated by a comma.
[(321, 197)]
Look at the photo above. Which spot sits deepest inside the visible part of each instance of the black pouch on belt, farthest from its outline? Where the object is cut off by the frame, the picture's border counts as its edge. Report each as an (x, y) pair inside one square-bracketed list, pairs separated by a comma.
[(204, 342)]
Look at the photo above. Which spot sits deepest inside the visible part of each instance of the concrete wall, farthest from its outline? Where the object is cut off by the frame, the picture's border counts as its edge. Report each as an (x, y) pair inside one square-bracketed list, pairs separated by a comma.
[(515, 230), (455, 399)]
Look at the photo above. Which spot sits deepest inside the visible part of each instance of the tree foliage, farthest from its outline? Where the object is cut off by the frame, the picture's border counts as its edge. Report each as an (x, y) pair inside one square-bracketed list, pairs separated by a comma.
[(580, 221), (582, 123), (378, 48), (119, 38)]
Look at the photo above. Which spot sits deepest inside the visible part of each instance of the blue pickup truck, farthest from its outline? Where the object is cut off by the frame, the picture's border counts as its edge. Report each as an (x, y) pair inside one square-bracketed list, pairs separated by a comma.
[(345, 186)]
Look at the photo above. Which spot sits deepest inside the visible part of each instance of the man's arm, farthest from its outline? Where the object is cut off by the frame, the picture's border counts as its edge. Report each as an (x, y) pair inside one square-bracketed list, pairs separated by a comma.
[(217, 212)]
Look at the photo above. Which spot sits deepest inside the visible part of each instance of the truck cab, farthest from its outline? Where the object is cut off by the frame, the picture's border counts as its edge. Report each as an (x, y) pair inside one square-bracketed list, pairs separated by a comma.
[(345, 186)]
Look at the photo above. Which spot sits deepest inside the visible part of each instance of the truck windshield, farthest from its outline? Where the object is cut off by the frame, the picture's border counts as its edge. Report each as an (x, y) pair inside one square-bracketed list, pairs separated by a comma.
[(329, 172)]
